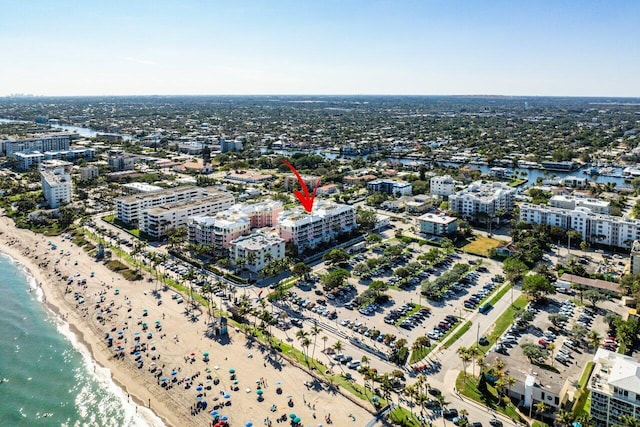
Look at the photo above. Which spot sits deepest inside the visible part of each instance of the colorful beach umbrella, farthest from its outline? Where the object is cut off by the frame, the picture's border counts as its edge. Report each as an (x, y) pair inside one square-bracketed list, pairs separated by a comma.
[(205, 354), (248, 424), (297, 420), (224, 418), (232, 371), (199, 388), (292, 415), (260, 392), (227, 396)]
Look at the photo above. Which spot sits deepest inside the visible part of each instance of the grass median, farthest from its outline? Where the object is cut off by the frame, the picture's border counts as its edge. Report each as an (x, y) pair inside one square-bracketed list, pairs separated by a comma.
[(503, 322)]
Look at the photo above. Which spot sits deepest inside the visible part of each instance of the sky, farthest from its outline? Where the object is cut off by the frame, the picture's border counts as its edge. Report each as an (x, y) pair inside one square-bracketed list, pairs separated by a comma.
[(329, 47)]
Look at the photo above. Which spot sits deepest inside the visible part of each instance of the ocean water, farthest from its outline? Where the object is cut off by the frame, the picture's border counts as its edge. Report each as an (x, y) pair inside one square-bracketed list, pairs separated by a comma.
[(46, 377)]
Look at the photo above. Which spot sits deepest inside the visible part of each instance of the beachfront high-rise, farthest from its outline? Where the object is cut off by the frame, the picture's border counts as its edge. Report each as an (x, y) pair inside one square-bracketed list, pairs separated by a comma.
[(129, 208), (238, 220), (257, 250), (55, 176), (615, 388), (308, 230)]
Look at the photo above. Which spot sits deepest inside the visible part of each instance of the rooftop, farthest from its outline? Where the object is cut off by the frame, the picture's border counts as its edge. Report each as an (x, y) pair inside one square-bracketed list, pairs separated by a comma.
[(257, 241), (438, 219), (615, 370)]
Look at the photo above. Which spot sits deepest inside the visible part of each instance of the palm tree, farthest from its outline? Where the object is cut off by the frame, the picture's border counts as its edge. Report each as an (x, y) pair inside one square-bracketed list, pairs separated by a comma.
[(628, 421), (593, 339), (338, 346), (303, 336), (314, 331), (475, 353), (564, 418), (324, 342), (540, 407), (465, 357)]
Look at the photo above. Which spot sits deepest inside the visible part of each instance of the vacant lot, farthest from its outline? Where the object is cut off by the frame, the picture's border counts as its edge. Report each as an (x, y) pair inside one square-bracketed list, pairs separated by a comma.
[(481, 245)]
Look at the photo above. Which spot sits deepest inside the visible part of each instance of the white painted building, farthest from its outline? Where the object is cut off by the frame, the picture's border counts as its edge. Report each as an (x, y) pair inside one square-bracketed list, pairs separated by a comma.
[(40, 143), (219, 230), (442, 185), (129, 208), (257, 250), (483, 198), (615, 388), (635, 257), (572, 202), (89, 172), (391, 187), (55, 176), (307, 230), (155, 221), (596, 228)]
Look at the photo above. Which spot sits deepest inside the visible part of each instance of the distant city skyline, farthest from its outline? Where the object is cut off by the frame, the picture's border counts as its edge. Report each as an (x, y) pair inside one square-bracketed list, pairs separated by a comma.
[(327, 47)]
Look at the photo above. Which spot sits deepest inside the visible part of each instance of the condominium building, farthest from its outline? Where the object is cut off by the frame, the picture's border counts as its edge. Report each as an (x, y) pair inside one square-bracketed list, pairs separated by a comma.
[(483, 198), (635, 257), (597, 228), (121, 162), (615, 388), (218, 231), (129, 208), (155, 221), (40, 143), (55, 176), (572, 202), (442, 185), (390, 186), (290, 181), (437, 225), (307, 230), (88, 172), (28, 159), (257, 250)]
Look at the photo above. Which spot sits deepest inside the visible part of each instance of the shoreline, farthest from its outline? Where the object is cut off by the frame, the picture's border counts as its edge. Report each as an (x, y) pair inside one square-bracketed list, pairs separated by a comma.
[(175, 404), (23, 263)]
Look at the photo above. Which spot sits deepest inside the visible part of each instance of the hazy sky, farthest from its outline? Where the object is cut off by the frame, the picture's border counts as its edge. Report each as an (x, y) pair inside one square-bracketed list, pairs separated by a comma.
[(110, 47)]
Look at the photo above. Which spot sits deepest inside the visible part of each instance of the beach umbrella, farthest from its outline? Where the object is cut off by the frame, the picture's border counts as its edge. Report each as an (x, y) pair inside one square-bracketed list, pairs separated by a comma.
[(232, 371), (174, 373), (235, 382), (136, 333), (216, 367), (137, 353), (248, 390), (214, 413), (199, 388), (297, 420), (205, 354), (227, 396), (248, 424), (278, 383), (157, 322), (224, 418), (164, 379), (292, 415), (260, 392)]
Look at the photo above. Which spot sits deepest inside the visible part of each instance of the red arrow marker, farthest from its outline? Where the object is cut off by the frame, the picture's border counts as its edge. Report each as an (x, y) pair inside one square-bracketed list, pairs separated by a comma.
[(306, 199)]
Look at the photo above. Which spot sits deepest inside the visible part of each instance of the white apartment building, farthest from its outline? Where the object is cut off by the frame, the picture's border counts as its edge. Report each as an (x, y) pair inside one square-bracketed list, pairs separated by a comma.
[(483, 198), (443, 185), (219, 230), (41, 143), (597, 228), (257, 250), (238, 220), (155, 221), (129, 208), (572, 202), (88, 172), (391, 187), (635, 257), (307, 230), (615, 388), (28, 159), (55, 176)]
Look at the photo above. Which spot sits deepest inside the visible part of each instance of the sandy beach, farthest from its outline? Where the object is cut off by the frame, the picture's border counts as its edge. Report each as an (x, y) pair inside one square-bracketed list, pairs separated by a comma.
[(157, 354)]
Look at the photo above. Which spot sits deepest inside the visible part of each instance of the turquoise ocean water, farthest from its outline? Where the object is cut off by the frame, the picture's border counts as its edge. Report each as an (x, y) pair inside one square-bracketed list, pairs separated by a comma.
[(47, 378)]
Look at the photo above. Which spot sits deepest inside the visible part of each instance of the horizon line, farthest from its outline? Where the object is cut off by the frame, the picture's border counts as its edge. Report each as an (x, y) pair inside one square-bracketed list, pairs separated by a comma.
[(22, 96)]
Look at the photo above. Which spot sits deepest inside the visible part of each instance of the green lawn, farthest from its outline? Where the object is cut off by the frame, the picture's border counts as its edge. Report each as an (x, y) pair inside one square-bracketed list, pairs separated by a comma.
[(481, 245), (460, 332), (497, 297), (467, 386), (402, 417), (419, 354), (503, 322)]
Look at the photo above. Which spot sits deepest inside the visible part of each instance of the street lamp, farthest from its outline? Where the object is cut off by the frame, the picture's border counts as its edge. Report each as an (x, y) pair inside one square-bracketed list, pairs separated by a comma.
[(478, 335)]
